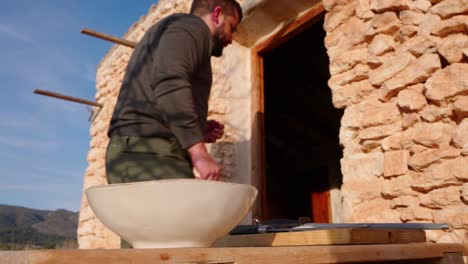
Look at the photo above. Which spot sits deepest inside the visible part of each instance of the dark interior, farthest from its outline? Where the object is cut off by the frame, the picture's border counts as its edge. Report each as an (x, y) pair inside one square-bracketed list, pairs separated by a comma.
[(301, 126)]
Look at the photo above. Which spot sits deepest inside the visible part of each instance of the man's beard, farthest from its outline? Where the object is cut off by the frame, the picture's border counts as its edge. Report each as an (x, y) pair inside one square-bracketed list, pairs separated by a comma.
[(218, 45)]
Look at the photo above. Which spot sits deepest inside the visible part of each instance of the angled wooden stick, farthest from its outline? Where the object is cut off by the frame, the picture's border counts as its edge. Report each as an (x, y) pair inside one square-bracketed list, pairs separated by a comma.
[(108, 37), (67, 98)]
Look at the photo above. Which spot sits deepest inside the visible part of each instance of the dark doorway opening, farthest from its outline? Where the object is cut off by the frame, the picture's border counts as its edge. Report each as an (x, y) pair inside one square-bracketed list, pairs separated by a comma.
[(302, 151)]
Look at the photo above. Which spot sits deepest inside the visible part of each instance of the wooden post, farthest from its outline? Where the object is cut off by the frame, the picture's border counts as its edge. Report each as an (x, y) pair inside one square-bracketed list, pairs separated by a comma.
[(108, 37), (67, 98)]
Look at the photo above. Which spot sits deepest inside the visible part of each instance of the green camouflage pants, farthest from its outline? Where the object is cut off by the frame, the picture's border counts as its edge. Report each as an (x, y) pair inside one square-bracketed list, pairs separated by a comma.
[(134, 159)]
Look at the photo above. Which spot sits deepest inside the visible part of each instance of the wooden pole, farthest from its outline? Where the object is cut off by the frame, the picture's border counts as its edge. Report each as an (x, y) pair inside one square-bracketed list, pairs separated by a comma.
[(67, 98), (108, 37)]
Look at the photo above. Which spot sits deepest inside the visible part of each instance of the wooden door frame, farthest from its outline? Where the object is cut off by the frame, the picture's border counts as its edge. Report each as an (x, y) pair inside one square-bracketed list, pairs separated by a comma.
[(307, 19)]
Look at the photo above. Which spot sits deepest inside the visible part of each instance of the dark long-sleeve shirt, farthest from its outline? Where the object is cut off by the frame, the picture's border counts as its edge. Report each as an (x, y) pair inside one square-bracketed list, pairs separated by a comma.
[(167, 83)]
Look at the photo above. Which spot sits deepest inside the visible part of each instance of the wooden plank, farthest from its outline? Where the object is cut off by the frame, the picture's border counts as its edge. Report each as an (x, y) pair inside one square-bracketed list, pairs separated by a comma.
[(324, 237), (433, 253), (108, 37), (295, 27)]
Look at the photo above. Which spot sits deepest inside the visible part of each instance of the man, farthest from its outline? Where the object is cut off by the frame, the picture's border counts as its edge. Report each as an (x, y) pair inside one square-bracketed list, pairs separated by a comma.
[(159, 129)]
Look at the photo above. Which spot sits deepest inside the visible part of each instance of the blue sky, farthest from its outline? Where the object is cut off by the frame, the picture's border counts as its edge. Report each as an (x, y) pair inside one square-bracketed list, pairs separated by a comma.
[(44, 141)]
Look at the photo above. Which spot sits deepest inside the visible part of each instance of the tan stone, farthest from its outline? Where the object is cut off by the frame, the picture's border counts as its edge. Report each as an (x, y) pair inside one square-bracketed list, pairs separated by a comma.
[(411, 100), (422, 160), (96, 154), (397, 141), (379, 132), (330, 4), (465, 150), (447, 82), (370, 112), (419, 45), (398, 186), (415, 213), (434, 235), (381, 44), (347, 59), (417, 71), (461, 135), (395, 163), (457, 217), (370, 145), (410, 17), (338, 16), (358, 73), (460, 107), (348, 34), (429, 23), (409, 120), (406, 32), (464, 193), (432, 113), (457, 236), (450, 8), (417, 149), (375, 61), (390, 68), (432, 134), (440, 175), (441, 198), (386, 23), (380, 6), (451, 47), (359, 191), (421, 5), (366, 212), (457, 24), (363, 9), (353, 93), (362, 167), (404, 201)]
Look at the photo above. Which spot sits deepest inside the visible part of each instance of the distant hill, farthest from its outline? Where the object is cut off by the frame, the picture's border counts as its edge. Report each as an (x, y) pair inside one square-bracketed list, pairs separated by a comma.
[(25, 228)]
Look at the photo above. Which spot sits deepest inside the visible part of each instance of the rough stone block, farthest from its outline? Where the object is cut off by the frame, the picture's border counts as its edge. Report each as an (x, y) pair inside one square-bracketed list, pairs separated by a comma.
[(464, 193), (353, 93), (421, 5), (406, 32), (348, 34), (365, 212), (440, 175), (447, 82), (457, 24), (460, 138), (390, 68), (460, 107), (362, 167), (397, 141), (419, 45), (422, 160), (432, 113), (399, 186), (330, 4), (411, 100), (395, 163), (452, 46), (404, 201), (347, 59), (386, 23), (442, 198), (379, 132), (380, 6), (338, 16), (358, 191), (409, 17), (358, 73), (381, 44), (415, 213), (449, 8), (363, 9), (370, 112), (457, 217), (429, 23), (417, 71), (410, 119)]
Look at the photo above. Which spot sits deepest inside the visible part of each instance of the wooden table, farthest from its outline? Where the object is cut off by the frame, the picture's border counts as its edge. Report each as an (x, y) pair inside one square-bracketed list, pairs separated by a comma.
[(382, 253)]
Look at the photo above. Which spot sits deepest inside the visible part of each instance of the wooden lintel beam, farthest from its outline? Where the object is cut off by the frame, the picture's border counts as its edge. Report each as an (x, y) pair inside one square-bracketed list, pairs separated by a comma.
[(67, 98), (108, 37)]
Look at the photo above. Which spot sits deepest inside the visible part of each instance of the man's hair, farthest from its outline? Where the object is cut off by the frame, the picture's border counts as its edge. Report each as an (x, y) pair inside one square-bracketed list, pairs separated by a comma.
[(203, 7)]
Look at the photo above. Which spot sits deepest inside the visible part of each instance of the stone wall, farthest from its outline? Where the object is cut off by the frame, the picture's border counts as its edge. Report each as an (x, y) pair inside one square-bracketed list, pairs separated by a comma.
[(399, 68), (230, 91)]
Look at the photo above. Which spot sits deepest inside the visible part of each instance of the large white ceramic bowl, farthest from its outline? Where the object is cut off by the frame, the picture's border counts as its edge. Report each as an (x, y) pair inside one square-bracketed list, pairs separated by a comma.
[(171, 213)]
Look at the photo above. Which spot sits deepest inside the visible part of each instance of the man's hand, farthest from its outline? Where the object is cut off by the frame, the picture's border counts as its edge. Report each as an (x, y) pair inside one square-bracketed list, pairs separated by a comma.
[(214, 131), (208, 168)]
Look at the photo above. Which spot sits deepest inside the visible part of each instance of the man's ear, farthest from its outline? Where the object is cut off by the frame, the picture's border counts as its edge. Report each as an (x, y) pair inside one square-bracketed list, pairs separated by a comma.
[(216, 14)]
